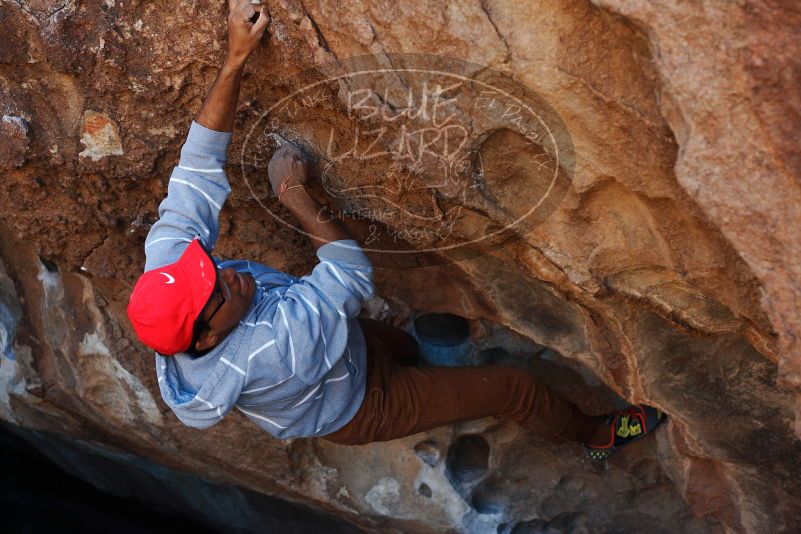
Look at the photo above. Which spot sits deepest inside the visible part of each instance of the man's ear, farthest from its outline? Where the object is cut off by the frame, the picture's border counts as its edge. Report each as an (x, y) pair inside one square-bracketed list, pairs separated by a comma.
[(206, 341)]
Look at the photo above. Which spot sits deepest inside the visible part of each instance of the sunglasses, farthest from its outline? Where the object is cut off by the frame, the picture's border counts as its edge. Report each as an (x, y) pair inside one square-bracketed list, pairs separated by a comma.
[(220, 295)]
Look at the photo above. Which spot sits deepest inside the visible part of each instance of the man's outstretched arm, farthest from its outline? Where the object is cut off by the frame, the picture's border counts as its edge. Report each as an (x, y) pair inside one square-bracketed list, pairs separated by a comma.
[(198, 187), (219, 108)]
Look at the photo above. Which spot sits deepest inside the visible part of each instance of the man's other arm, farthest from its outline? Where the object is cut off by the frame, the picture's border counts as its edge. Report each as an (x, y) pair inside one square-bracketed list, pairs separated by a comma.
[(312, 319), (288, 177)]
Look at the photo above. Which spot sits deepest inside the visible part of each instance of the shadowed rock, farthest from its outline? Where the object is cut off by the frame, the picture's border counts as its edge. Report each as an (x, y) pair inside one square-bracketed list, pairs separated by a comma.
[(429, 452), (468, 459)]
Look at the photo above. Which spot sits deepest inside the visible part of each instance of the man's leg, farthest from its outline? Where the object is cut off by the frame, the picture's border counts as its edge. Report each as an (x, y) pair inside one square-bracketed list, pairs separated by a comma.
[(401, 401), (399, 344)]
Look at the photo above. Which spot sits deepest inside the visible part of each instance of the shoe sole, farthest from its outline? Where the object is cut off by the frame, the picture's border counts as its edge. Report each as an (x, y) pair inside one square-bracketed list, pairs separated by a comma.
[(604, 454)]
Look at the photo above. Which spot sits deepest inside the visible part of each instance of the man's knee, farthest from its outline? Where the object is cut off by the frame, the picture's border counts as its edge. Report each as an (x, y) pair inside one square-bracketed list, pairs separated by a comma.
[(525, 393)]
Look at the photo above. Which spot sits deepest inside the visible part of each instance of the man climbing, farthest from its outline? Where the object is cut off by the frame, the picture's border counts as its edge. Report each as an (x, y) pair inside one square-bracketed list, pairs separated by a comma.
[(291, 353)]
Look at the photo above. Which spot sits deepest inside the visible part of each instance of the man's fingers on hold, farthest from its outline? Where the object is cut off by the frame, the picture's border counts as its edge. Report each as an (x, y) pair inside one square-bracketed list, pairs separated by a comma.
[(261, 23)]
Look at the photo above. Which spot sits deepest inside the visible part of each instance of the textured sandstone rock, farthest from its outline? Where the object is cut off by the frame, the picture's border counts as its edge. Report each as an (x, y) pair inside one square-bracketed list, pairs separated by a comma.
[(663, 267), (746, 181)]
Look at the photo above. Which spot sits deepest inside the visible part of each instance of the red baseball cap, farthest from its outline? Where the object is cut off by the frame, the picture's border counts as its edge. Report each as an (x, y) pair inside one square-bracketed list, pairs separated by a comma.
[(166, 301)]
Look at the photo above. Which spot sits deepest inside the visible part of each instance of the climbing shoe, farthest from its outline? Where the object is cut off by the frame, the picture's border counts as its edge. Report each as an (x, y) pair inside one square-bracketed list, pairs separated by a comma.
[(626, 426)]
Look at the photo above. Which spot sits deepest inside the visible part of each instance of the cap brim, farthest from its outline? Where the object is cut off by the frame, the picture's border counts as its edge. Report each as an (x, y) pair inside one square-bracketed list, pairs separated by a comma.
[(201, 273)]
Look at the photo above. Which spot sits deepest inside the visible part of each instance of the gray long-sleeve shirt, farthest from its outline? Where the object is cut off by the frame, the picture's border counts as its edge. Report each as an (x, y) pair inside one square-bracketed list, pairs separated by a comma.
[(295, 364)]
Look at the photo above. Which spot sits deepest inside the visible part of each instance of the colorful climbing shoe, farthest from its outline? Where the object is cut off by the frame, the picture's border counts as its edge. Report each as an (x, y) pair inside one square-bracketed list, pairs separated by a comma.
[(626, 426)]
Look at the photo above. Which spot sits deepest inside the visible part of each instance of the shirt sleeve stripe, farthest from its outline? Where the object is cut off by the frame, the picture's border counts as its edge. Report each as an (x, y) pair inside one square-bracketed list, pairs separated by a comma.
[(201, 399), (186, 239), (312, 392), (260, 323), (289, 337), (325, 349), (260, 417), (233, 366), (194, 169), (308, 303), (260, 349), (328, 423), (337, 379), (336, 273), (254, 390), (193, 186)]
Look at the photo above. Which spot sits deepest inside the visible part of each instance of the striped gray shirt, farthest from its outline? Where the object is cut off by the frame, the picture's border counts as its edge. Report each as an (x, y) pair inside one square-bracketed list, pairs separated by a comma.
[(295, 364)]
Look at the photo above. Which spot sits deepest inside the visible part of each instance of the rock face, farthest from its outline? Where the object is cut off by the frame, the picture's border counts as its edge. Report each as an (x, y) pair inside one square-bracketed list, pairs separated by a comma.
[(15, 132), (607, 190)]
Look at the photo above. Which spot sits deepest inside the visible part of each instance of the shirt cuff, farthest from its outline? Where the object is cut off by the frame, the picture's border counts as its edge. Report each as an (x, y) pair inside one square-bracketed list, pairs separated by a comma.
[(205, 141), (345, 251)]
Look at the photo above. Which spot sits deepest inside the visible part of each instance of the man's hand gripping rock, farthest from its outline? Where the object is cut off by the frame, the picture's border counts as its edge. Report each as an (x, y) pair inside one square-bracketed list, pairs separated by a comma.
[(287, 170), (243, 34)]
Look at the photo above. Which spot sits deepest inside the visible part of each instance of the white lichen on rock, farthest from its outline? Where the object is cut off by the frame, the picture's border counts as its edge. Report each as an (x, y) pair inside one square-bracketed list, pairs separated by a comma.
[(109, 385), (100, 135), (383, 495), (14, 133), (12, 380)]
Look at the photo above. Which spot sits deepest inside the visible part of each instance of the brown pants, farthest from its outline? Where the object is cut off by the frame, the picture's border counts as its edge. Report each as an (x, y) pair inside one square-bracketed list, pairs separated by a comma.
[(401, 400)]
